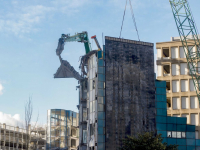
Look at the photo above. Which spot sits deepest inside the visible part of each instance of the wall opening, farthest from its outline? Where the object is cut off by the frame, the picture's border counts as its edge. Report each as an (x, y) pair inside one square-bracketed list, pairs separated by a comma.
[(166, 70), (166, 53), (73, 143), (169, 105), (168, 87)]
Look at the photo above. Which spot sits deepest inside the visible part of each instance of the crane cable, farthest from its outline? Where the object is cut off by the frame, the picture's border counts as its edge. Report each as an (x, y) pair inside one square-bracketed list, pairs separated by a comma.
[(123, 20), (133, 17)]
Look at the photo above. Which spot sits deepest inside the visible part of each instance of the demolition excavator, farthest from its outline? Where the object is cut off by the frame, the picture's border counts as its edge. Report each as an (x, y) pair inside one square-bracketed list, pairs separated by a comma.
[(66, 70)]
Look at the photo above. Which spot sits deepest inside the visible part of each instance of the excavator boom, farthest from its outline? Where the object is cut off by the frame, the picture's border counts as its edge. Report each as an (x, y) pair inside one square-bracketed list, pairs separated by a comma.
[(79, 37)]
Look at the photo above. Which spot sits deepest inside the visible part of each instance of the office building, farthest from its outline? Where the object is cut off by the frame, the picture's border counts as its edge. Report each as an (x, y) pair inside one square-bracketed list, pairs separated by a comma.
[(172, 67)]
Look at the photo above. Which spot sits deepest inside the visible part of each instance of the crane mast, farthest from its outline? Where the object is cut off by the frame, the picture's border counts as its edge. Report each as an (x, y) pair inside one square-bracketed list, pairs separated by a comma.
[(189, 38)]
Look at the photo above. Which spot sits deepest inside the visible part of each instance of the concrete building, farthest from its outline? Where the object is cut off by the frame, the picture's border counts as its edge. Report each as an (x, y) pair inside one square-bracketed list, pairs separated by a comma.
[(172, 67), (174, 130), (38, 139), (12, 138), (117, 94), (62, 129)]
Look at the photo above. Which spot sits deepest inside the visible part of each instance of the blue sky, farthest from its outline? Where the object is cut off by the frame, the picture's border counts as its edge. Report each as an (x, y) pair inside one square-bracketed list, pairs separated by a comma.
[(29, 32)]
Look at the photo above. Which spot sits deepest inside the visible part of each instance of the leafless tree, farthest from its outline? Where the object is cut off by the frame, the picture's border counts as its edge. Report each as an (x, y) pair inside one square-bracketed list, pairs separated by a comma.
[(28, 117)]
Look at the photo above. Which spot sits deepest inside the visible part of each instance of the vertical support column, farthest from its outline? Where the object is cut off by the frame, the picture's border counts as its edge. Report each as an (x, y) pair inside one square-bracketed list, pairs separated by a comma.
[(22, 138), (0, 136), (9, 137), (4, 134), (14, 138), (17, 136)]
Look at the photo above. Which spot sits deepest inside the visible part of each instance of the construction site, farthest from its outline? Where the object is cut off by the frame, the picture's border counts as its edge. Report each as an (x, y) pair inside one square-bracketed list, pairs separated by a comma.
[(120, 94)]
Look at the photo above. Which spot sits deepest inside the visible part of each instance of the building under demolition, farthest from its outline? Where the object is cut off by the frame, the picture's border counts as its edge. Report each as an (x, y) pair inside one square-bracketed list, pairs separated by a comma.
[(117, 93)]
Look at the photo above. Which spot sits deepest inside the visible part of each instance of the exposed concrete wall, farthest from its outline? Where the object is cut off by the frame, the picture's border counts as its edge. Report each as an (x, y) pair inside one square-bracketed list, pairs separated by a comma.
[(130, 89)]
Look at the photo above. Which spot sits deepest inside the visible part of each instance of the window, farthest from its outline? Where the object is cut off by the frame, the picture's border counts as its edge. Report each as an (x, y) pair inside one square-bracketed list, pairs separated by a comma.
[(169, 134), (192, 51), (175, 86), (192, 85), (178, 134), (91, 129), (183, 134), (184, 103), (184, 69), (84, 136), (174, 52), (166, 70), (194, 119), (192, 68), (193, 102), (166, 53), (173, 134), (93, 84), (175, 69), (175, 103), (184, 85), (84, 114), (182, 53)]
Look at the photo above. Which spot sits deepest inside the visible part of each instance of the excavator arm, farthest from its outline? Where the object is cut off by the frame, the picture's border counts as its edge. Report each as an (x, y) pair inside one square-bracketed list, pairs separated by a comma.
[(66, 70), (79, 37)]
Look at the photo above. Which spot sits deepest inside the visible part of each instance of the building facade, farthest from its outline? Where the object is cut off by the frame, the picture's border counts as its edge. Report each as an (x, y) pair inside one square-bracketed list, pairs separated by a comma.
[(62, 129), (172, 67), (12, 138), (118, 86), (174, 130), (38, 138)]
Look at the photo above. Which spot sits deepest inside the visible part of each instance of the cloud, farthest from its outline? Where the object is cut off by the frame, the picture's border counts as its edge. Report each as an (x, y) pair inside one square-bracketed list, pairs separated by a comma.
[(11, 120), (23, 20), (1, 89), (20, 18)]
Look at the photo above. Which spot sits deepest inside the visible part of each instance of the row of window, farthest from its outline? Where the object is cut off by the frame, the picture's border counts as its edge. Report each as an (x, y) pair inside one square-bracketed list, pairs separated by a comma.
[(175, 52), (174, 134), (180, 85), (177, 69), (184, 103)]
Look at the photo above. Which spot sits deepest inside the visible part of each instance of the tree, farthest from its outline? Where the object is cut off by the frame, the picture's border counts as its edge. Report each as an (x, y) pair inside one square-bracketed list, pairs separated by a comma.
[(28, 117), (146, 141)]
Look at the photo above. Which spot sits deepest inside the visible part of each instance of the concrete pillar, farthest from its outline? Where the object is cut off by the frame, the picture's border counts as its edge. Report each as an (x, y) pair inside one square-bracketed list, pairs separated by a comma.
[(17, 137), (4, 134)]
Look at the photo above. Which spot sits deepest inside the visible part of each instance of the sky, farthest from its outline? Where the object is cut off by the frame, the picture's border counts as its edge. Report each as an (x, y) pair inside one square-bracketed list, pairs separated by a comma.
[(29, 33)]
